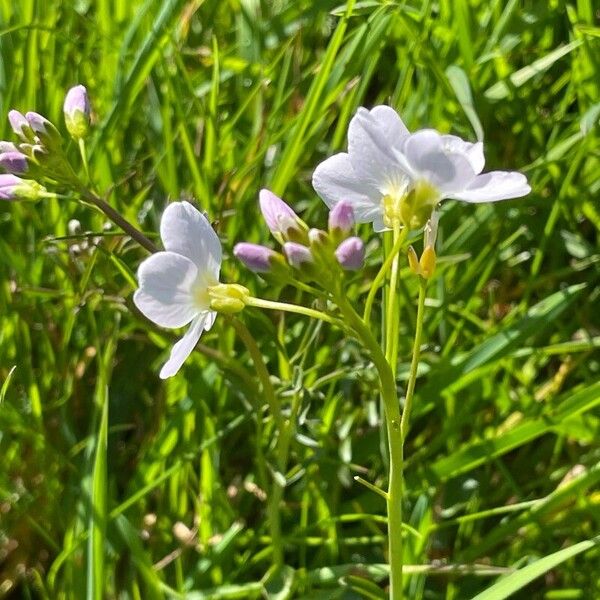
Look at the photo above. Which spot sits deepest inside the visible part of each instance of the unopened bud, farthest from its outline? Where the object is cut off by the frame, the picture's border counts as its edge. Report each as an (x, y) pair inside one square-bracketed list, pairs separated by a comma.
[(20, 125), (351, 254), (297, 254), (14, 162), (283, 222), (341, 218), (14, 188), (256, 257), (7, 147), (44, 130), (77, 111)]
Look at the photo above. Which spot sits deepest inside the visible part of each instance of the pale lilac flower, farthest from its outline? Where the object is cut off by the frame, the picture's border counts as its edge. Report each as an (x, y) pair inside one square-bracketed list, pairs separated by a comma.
[(280, 217), (77, 111), (351, 254), (44, 130), (14, 162), (175, 284), (392, 177), (256, 257), (7, 147), (297, 254), (341, 217)]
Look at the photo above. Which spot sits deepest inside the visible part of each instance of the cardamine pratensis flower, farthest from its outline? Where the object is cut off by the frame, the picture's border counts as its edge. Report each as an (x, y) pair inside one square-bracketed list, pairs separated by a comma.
[(180, 286), (14, 188), (392, 177)]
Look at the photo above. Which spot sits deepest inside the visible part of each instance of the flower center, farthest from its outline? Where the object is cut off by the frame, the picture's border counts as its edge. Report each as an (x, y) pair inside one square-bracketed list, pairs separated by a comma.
[(411, 209)]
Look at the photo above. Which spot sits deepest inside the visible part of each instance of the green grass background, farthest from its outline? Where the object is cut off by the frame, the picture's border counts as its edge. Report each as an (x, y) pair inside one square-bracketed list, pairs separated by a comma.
[(106, 470)]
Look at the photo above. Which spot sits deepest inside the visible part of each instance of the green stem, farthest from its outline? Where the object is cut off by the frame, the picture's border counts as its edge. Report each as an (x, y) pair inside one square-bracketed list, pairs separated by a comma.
[(292, 308), (84, 159), (382, 274), (274, 495), (391, 318), (118, 220), (412, 379), (392, 417)]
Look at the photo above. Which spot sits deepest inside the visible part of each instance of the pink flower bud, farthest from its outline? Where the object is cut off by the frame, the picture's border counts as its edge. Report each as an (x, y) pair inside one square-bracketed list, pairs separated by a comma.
[(46, 132), (351, 254), (20, 125), (7, 147), (277, 214), (341, 217), (14, 162), (15, 188), (77, 111), (256, 257), (297, 254)]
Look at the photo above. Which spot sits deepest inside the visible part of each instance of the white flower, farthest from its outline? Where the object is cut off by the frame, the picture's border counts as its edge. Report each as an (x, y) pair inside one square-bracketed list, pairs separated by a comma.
[(392, 177), (174, 284)]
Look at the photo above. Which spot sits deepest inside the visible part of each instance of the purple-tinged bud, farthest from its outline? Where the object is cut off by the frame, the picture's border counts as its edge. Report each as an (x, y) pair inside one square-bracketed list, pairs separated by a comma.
[(317, 237), (280, 217), (351, 254), (14, 162), (77, 112), (256, 257), (297, 254), (44, 130), (341, 217), (20, 125), (15, 188), (7, 147)]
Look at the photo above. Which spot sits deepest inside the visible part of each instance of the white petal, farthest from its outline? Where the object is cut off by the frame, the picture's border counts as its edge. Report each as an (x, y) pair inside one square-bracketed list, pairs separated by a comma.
[(183, 348), (185, 230), (164, 295), (473, 152), (335, 180), (495, 185), (449, 173), (391, 124), (372, 155)]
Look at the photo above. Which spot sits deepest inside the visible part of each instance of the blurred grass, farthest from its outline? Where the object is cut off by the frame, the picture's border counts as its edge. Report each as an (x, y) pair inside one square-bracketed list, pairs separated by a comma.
[(213, 100)]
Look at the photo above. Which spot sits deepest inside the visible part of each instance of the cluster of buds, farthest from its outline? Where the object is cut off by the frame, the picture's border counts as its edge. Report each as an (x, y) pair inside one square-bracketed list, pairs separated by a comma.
[(312, 254), (425, 266), (39, 153)]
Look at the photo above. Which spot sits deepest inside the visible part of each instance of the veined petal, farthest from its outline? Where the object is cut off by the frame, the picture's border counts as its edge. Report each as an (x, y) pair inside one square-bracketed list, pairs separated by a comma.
[(449, 173), (186, 231), (165, 293), (335, 180), (473, 152), (183, 348), (494, 186), (373, 157)]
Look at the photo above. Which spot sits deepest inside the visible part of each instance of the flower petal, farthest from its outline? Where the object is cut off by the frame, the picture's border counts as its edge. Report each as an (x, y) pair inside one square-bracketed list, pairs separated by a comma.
[(335, 180), (473, 152), (164, 295), (373, 156), (186, 231), (494, 186), (424, 150), (183, 348), (391, 124)]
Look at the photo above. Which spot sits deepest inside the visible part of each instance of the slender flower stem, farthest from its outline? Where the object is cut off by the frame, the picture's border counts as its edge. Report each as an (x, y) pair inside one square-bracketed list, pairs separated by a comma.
[(292, 308), (84, 158), (382, 274), (275, 494), (412, 380), (389, 395), (392, 323), (118, 220)]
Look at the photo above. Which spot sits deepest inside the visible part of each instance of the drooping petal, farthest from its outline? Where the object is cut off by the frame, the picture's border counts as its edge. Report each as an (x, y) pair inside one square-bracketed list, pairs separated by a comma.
[(373, 157), (335, 181), (473, 152), (279, 216), (494, 186), (183, 348), (186, 231), (449, 173), (165, 295)]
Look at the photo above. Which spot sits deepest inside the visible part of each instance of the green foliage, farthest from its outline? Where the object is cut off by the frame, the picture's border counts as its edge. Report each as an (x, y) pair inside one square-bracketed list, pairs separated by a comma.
[(116, 484)]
